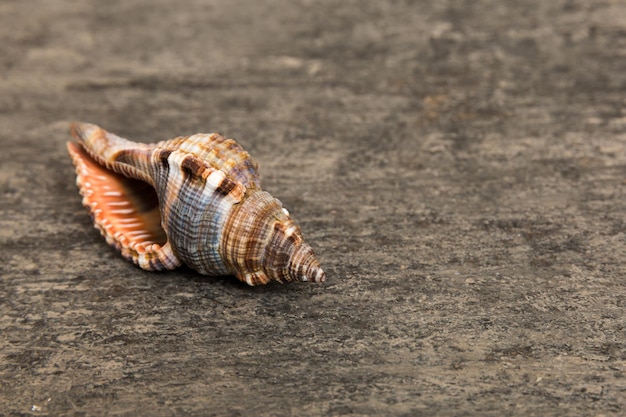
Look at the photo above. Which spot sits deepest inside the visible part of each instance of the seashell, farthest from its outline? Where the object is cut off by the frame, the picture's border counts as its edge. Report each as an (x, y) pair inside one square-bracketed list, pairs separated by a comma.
[(195, 200)]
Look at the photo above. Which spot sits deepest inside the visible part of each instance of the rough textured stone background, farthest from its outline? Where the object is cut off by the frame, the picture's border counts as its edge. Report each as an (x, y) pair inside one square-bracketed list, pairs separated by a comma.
[(459, 167)]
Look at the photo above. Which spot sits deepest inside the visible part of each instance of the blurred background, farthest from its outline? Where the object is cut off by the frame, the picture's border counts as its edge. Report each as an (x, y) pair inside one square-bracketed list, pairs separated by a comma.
[(458, 166)]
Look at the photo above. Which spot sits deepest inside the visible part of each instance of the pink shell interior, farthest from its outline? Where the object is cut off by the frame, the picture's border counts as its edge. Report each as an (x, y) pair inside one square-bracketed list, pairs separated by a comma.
[(124, 209)]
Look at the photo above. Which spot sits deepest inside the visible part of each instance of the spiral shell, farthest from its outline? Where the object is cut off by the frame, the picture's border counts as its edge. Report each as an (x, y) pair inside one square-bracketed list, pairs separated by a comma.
[(195, 200)]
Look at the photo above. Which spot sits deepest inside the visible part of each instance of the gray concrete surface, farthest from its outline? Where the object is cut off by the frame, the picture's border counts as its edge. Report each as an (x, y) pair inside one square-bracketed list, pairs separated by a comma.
[(459, 167)]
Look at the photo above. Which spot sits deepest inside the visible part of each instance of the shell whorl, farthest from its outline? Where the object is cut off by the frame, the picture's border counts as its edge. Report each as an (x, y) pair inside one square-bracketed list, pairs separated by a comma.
[(195, 200), (262, 242)]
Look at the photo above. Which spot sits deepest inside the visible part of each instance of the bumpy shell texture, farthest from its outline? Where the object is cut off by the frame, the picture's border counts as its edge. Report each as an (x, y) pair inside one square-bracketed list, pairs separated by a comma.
[(195, 200)]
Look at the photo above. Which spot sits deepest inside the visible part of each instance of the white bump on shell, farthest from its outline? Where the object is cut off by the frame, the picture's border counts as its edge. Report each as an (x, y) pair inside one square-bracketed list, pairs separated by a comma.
[(290, 231), (215, 179)]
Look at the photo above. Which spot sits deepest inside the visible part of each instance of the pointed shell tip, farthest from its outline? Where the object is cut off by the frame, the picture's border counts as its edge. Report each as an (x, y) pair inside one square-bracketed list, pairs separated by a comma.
[(320, 276)]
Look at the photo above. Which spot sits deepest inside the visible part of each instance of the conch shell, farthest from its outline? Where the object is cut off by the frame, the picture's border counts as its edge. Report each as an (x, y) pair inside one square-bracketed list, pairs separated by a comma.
[(195, 200)]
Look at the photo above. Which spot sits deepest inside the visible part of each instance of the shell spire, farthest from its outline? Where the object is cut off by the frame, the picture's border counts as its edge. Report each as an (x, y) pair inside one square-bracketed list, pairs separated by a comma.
[(195, 200)]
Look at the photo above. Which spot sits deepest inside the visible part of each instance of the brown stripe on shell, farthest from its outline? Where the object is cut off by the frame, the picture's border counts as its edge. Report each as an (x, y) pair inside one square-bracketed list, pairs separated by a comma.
[(226, 186), (162, 155), (193, 166)]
